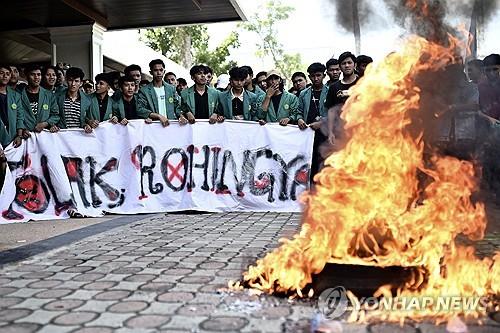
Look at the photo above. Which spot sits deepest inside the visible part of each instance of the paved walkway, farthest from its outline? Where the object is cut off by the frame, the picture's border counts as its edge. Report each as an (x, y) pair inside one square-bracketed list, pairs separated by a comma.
[(164, 273)]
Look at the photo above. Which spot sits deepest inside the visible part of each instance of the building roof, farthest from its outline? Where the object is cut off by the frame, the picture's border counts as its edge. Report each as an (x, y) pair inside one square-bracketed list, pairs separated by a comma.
[(115, 14)]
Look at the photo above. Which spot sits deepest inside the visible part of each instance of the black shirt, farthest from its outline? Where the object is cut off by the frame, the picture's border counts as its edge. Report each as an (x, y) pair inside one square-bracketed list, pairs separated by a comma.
[(130, 109), (314, 107), (201, 105), (33, 98), (103, 105), (330, 82), (332, 99), (276, 99), (237, 107), (4, 111)]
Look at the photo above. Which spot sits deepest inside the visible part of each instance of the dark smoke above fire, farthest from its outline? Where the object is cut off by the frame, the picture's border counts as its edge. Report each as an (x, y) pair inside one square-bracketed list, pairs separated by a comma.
[(354, 15)]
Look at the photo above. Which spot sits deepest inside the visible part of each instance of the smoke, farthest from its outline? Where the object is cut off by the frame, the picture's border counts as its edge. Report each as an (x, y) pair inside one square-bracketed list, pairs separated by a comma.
[(426, 18), (343, 10), (485, 9)]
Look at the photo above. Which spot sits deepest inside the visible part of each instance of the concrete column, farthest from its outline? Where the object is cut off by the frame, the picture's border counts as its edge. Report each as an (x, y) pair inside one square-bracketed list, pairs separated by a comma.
[(79, 46)]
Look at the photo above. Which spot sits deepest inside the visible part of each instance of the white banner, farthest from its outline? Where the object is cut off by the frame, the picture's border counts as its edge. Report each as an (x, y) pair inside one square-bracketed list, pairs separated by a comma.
[(145, 168)]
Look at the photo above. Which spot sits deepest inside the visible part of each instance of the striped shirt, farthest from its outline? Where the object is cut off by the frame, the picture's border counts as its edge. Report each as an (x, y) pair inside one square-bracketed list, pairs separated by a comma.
[(72, 112)]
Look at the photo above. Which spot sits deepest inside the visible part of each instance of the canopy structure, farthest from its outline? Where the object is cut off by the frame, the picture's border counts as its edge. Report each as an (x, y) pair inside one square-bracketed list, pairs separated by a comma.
[(71, 31)]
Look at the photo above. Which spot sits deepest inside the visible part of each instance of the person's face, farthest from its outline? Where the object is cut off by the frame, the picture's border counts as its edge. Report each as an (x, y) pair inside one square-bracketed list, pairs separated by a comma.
[(116, 84), (50, 77), (14, 74), (361, 67), (347, 67), (182, 86), (5, 76), (171, 79), (136, 75), (317, 78), (128, 89), (474, 73), (273, 81), (73, 84), (492, 73), (34, 78), (237, 84), (299, 83), (60, 78), (333, 72), (261, 82), (88, 89), (248, 80), (209, 77), (157, 72), (200, 78), (101, 87)]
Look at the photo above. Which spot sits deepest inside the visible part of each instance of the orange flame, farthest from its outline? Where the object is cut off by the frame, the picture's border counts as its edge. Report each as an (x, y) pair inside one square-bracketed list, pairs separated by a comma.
[(367, 210)]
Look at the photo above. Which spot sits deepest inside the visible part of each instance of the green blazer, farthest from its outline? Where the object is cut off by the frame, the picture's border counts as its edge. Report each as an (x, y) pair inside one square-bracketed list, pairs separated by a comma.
[(47, 109), (119, 109), (305, 102), (288, 108), (250, 105), (187, 100), (258, 91), (95, 114), (85, 102), (15, 114), (148, 101)]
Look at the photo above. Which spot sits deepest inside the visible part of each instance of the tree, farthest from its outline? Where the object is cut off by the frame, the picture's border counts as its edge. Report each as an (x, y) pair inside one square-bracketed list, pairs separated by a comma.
[(188, 45), (217, 59), (179, 44), (265, 25)]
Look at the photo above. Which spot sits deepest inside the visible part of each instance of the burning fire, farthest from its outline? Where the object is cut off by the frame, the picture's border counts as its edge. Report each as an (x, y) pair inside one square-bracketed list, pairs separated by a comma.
[(369, 208)]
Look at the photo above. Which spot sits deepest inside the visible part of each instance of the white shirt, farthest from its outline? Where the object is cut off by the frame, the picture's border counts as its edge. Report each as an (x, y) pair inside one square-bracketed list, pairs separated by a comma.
[(161, 97), (240, 97)]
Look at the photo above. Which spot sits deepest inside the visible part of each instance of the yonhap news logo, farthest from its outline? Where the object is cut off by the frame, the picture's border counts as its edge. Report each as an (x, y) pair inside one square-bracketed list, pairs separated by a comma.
[(335, 302)]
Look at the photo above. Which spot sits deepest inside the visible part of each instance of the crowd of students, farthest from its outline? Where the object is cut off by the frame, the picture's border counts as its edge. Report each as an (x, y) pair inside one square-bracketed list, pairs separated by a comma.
[(54, 98)]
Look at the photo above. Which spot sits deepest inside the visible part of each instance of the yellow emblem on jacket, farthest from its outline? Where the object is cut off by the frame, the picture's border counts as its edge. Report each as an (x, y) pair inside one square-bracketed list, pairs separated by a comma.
[(13, 106), (286, 106), (170, 99), (45, 106)]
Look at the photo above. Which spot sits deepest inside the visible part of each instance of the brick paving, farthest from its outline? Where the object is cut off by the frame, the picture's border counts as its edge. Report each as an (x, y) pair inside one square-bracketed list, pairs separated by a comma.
[(166, 273)]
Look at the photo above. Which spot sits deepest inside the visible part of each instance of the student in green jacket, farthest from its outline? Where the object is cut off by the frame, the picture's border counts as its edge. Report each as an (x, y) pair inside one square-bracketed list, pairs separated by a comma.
[(74, 105), (101, 104), (312, 110), (238, 103), (39, 104), (278, 104), (158, 99), (312, 99), (126, 107), (200, 101), (11, 113), (249, 83)]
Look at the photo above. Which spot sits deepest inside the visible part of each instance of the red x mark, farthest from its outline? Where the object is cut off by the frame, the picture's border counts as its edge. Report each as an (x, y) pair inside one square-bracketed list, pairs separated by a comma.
[(175, 171)]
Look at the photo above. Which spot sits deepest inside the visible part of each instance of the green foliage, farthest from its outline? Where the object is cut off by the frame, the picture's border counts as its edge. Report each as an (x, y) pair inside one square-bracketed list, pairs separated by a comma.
[(177, 43), (188, 45), (217, 59), (264, 24)]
